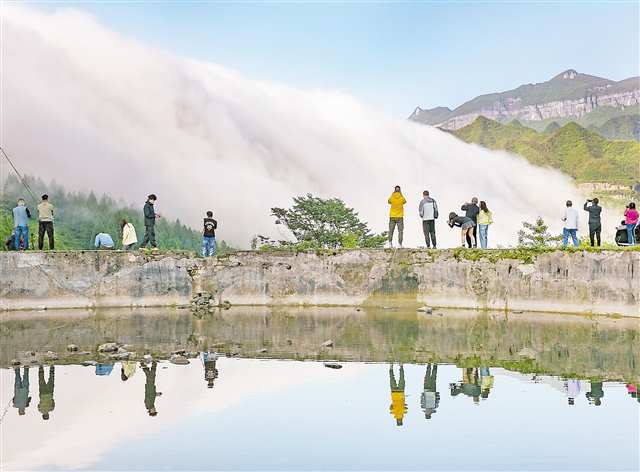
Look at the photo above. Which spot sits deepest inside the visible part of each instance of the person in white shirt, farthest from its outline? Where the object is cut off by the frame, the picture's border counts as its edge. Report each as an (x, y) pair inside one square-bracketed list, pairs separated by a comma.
[(570, 219)]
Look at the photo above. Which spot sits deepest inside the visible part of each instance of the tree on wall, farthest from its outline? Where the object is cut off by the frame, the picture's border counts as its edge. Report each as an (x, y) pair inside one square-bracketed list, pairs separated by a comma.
[(326, 223), (536, 235)]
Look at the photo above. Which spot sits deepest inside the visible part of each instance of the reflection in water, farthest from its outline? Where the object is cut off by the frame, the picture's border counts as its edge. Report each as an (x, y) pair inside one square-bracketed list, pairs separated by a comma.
[(47, 404), (150, 392), (572, 389), (127, 370), (210, 372), (558, 366), (398, 405), (430, 397), (469, 385), (181, 400), (596, 393), (21, 398)]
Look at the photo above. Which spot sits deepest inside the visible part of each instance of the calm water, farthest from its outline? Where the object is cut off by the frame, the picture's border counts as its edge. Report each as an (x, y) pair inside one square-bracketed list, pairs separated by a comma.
[(467, 398)]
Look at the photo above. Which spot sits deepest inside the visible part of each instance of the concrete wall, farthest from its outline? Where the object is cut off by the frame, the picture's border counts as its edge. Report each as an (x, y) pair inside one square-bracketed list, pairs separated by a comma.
[(562, 281)]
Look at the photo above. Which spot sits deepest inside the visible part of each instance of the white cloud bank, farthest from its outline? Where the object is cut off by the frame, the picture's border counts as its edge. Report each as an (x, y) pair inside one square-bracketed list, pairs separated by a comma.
[(95, 110)]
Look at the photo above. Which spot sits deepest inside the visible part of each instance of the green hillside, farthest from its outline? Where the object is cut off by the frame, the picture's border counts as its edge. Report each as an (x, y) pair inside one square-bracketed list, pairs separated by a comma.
[(576, 151), (79, 216)]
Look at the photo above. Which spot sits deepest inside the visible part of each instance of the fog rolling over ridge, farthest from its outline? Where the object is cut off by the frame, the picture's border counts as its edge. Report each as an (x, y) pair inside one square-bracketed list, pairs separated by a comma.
[(95, 110)]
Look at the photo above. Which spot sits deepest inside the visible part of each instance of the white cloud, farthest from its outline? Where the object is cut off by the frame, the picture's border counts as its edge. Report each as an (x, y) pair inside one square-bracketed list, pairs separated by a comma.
[(98, 111)]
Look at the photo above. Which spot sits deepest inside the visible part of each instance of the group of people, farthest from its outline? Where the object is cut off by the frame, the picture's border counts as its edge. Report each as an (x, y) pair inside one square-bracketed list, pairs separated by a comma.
[(22, 399), (19, 239), (21, 216), (474, 224), (571, 219), (475, 221)]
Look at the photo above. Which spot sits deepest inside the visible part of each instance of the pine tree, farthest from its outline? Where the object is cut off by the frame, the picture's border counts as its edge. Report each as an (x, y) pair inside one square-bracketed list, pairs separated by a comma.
[(536, 235)]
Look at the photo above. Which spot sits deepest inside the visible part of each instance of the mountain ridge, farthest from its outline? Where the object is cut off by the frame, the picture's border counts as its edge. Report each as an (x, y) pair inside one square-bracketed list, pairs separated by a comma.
[(576, 151), (568, 94)]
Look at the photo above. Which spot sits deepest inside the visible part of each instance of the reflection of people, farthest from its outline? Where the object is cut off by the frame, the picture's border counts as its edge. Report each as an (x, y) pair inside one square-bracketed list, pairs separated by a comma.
[(430, 398), (210, 372), (150, 392), (632, 390), (46, 404), (127, 370), (469, 385), (21, 398), (486, 382), (104, 369), (596, 393), (398, 405), (572, 389)]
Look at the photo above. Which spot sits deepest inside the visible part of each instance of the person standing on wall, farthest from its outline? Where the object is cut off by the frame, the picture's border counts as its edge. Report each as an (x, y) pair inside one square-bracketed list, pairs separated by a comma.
[(45, 222), (150, 217), (471, 211), (428, 210), (396, 215), (484, 220), (631, 221), (209, 247), (595, 225), (570, 219), (129, 236), (21, 215)]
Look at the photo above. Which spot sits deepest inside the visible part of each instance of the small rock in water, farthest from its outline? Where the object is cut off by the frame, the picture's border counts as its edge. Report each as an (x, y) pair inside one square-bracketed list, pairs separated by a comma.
[(261, 351), (72, 348), (88, 363), (527, 352), (332, 365), (15, 362), (517, 312), (51, 356), (425, 309), (179, 360), (328, 343), (121, 356), (108, 347)]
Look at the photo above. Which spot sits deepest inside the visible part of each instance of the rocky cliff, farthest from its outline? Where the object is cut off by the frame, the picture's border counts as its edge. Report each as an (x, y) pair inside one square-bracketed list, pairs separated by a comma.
[(569, 94), (564, 281)]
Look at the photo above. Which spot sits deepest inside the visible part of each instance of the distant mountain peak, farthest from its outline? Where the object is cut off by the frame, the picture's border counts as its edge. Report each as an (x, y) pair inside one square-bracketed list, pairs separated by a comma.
[(568, 74)]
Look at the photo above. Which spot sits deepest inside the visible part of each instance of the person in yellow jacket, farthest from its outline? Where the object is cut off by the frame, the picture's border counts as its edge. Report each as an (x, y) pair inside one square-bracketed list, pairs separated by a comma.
[(398, 405), (396, 215), (485, 218)]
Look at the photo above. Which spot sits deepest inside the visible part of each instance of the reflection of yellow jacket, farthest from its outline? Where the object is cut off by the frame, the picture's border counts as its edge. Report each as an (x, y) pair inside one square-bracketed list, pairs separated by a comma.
[(397, 201), (398, 406)]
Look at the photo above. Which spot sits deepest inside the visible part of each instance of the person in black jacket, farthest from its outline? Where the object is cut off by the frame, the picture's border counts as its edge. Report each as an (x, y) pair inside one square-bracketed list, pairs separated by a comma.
[(471, 211), (150, 217), (595, 224), (209, 247), (466, 226)]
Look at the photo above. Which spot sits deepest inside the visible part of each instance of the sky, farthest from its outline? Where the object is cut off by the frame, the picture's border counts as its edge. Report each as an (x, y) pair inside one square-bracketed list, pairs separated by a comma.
[(392, 56)]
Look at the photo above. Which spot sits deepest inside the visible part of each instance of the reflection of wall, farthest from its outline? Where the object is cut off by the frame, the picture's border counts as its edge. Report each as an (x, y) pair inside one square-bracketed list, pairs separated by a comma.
[(603, 282), (559, 345)]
